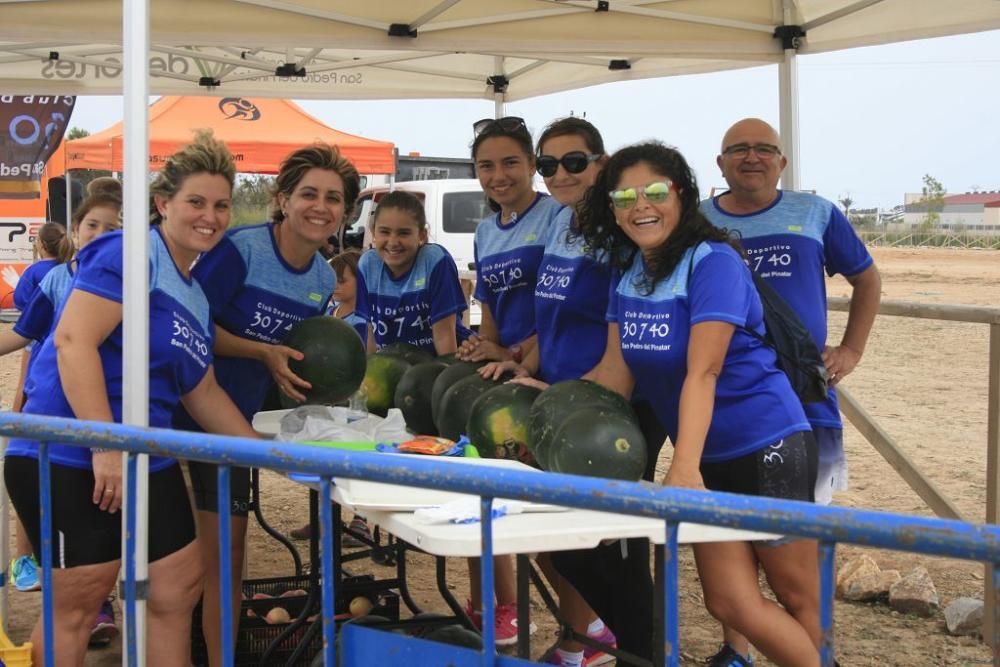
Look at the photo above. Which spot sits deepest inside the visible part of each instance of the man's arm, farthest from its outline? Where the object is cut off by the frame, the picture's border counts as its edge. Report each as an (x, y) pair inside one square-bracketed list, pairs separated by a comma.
[(866, 295)]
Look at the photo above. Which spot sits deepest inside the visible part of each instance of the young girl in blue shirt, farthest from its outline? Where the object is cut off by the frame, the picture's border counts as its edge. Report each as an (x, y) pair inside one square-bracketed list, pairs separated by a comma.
[(408, 289), (677, 332)]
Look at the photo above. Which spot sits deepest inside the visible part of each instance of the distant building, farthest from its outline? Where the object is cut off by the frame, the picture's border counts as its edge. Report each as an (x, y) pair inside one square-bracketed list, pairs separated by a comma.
[(970, 212)]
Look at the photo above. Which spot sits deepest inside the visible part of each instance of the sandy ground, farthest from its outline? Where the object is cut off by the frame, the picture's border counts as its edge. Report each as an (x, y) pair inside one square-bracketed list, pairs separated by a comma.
[(925, 381)]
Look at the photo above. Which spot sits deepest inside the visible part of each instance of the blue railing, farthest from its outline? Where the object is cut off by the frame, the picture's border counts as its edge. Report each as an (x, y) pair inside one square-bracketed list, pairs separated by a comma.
[(828, 525)]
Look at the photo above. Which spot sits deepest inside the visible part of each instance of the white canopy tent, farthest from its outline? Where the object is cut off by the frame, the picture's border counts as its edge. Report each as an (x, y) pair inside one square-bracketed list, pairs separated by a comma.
[(345, 49)]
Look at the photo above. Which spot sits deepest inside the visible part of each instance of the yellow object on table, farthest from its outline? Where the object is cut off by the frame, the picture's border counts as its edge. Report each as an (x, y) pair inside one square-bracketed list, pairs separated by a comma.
[(14, 656)]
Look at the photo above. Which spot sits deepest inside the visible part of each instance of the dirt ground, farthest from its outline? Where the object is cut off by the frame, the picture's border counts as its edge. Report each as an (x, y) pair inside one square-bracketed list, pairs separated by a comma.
[(925, 381)]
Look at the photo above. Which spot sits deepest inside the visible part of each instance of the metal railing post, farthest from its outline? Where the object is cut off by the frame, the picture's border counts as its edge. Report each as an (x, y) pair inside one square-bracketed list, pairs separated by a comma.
[(486, 582), (326, 529), (45, 491), (671, 605), (827, 584), (223, 474)]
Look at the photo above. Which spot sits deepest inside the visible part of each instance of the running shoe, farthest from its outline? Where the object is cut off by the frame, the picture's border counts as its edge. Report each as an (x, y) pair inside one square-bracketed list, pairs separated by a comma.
[(728, 657), (506, 625), (360, 526), (24, 572), (105, 629), (593, 656)]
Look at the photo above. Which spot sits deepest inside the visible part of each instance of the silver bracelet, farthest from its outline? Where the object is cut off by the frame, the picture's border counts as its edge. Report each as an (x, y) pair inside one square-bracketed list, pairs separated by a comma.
[(100, 450)]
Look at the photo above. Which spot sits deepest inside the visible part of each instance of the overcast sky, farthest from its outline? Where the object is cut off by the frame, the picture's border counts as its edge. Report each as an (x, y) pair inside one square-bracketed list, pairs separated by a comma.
[(873, 120)]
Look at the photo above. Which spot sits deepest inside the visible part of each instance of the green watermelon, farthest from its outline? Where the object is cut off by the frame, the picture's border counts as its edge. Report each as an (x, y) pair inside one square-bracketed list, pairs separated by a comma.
[(413, 396), (334, 362), (408, 351), (449, 376), (599, 443), (498, 422), (560, 400), (383, 374), (456, 404)]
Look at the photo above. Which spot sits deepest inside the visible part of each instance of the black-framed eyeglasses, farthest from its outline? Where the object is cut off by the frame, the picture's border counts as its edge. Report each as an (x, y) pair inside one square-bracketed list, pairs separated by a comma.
[(655, 193), (573, 162), (507, 124), (762, 151)]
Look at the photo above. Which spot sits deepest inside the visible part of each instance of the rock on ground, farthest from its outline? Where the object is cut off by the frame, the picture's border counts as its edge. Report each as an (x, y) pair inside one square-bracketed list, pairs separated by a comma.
[(914, 594), (964, 616)]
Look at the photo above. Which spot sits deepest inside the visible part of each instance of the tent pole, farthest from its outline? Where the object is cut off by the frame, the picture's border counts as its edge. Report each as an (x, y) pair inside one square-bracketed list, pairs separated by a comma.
[(135, 302), (788, 93), (499, 90), (69, 201)]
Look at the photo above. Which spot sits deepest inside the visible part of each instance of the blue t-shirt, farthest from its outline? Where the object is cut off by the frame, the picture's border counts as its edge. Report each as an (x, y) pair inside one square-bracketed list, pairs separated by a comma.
[(571, 300), (180, 344), (790, 244), (403, 309), (754, 402), (359, 323), (255, 294), (30, 279), (507, 260), (38, 317)]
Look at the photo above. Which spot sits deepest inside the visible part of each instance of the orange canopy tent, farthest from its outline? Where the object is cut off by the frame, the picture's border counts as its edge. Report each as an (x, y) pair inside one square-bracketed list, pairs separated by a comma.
[(260, 133)]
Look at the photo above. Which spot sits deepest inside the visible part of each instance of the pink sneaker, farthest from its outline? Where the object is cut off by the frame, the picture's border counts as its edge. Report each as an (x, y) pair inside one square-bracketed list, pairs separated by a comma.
[(506, 625), (592, 656)]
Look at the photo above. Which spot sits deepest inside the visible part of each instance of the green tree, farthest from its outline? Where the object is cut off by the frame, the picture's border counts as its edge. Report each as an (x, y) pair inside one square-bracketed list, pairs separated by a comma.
[(932, 201), (846, 201), (252, 199), (76, 133)]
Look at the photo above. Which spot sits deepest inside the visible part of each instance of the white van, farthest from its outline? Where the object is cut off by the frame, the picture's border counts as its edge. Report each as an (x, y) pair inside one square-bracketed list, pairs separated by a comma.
[(453, 206)]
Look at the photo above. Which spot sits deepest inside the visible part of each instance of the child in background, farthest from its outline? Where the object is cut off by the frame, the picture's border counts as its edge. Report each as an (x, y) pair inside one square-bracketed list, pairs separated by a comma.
[(408, 289), (343, 305)]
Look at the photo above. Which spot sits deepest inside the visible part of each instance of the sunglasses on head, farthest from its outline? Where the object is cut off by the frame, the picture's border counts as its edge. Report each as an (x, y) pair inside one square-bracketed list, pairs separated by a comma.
[(573, 162), (505, 124), (654, 193)]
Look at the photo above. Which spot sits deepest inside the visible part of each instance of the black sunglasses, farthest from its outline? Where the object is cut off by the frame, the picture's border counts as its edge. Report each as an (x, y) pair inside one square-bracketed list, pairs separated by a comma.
[(506, 124), (573, 162)]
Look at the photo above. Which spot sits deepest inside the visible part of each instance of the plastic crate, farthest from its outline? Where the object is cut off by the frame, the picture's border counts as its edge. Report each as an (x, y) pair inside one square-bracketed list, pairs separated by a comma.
[(14, 656), (256, 635)]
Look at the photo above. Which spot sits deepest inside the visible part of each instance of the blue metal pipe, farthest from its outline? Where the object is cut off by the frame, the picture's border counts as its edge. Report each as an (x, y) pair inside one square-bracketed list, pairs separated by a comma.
[(223, 474), (329, 578), (827, 584), (939, 537), (486, 582), (132, 509), (671, 606), (48, 609)]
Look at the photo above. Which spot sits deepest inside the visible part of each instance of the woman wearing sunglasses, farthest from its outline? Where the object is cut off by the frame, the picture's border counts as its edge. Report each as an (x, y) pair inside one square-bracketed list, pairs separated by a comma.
[(677, 333)]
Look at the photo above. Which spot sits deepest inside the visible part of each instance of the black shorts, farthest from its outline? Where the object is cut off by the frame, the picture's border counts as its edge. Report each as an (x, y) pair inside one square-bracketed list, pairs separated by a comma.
[(785, 469), (83, 534), (205, 487)]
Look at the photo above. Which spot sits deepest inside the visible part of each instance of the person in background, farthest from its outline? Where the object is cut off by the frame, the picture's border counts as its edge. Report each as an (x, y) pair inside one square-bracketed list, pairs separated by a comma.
[(408, 289), (345, 296), (730, 412), (79, 374), (792, 239), (96, 215), (260, 280)]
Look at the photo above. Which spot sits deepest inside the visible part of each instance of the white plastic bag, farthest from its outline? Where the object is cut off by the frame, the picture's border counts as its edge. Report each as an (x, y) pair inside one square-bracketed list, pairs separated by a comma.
[(336, 424)]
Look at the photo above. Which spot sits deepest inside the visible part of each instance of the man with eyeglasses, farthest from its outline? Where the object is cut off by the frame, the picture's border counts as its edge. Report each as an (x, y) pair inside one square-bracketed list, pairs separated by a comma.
[(790, 239)]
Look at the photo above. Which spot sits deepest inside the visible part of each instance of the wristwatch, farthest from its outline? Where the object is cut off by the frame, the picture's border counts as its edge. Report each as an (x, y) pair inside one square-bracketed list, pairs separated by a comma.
[(516, 353)]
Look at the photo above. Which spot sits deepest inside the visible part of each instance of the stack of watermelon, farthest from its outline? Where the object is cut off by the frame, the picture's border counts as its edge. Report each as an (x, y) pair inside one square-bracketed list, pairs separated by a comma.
[(576, 427)]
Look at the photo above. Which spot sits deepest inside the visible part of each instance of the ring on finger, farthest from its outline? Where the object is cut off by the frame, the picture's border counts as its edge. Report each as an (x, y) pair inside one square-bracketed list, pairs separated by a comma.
[(107, 490)]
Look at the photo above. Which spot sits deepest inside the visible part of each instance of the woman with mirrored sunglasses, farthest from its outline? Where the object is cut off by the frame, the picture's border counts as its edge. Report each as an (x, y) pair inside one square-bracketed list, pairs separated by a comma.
[(678, 332), (571, 298)]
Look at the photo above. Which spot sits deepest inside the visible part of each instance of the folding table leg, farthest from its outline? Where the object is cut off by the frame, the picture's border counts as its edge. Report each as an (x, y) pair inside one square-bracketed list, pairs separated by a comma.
[(523, 608)]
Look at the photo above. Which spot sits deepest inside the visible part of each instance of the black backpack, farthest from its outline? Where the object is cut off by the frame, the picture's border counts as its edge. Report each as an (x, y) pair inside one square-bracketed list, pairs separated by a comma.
[(791, 341)]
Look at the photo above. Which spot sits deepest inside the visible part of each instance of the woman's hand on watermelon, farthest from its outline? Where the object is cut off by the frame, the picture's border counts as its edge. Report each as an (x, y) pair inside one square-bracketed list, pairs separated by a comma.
[(494, 369), (529, 382), (276, 359), (684, 477)]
